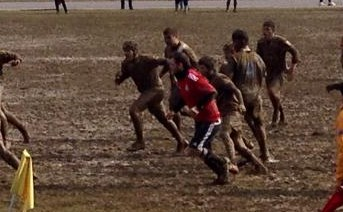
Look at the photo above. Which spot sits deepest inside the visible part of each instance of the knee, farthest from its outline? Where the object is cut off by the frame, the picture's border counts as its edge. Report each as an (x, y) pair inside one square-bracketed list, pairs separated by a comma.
[(133, 111)]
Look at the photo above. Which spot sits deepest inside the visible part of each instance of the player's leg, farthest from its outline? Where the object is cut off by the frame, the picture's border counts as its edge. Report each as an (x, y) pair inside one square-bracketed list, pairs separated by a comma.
[(64, 6), (224, 134), (135, 111), (157, 109), (174, 98), (57, 6), (247, 153), (8, 156), (234, 5), (228, 5), (12, 119), (200, 146)]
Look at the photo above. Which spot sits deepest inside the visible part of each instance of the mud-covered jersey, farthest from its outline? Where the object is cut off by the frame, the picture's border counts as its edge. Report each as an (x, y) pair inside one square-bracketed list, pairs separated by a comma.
[(227, 68), (248, 74), (181, 47), (226, 99), (6, 57), (273, 52), (193, 87), (143, 71)]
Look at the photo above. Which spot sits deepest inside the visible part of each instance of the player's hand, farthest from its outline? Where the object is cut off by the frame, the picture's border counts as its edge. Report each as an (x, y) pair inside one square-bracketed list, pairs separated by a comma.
[(191, 112), (170, 115), (16, 62), (290, 73), (242, 108)]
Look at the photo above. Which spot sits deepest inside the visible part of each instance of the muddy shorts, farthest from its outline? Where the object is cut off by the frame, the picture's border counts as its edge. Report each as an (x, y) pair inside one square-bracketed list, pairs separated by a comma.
[(254, 108), (151, 99), (275, 83), (232, 122), (204, 135)]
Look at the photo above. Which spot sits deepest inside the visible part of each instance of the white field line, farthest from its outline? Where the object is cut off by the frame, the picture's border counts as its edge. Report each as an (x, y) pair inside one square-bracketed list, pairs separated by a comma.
[(82, 59), (72, 59)]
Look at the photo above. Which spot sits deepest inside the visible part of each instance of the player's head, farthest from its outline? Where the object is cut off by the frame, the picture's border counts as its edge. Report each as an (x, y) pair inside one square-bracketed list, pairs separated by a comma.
[(228, 50), (171, 36), (240, 39), (179, 62), (207, 66), (268, 29), (130, 49)]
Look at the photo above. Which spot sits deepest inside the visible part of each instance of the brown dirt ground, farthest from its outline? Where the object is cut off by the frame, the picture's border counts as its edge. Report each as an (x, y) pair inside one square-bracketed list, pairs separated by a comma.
[(79, 123)]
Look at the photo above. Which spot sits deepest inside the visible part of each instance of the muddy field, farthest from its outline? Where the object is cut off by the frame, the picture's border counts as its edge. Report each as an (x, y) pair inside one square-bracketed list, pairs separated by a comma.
[(79, 123)]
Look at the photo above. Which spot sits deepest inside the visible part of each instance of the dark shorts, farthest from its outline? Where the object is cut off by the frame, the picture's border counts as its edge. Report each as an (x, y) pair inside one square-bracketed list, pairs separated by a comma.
[(204, 135), (274, 83), (254, 109), (232, 122), (150, 99)]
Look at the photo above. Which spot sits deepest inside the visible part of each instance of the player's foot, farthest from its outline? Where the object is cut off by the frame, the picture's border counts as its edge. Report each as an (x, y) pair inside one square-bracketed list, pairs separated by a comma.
[(321, 4), (26, 138), (331, 4), (269, 159), (136, 146), (234, 10), (180, 148), (222, 178), (233, 168), (248, 143)]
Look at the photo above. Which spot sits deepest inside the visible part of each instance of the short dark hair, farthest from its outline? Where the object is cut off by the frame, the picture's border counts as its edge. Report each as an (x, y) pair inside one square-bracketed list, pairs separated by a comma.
[(270, 24), (241, 38), (130, 45), (208, 62), (182, 58), (170, 31)]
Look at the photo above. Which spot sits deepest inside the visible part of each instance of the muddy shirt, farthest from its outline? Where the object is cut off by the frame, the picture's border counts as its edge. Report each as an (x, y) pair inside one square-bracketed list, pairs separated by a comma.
[(6, 57), (273, 52), (182, 48), (248, 74), (228, 67), (226, 99), (143, 71)]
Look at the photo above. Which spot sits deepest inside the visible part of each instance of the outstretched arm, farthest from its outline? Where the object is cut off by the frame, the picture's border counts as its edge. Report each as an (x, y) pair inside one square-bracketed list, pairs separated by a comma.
[(122, 75), (9, 57)]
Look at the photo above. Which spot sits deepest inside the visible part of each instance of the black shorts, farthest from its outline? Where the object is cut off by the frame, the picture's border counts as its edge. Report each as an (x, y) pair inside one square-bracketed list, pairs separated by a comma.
[(204, 134)]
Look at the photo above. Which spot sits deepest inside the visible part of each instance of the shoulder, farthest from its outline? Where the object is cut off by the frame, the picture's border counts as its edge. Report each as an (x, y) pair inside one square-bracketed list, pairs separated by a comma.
[(261, 41), (281, 39), (194, 75)]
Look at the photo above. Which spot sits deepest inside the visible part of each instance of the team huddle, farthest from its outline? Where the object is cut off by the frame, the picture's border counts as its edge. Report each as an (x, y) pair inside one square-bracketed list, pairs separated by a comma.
[(218, 101)]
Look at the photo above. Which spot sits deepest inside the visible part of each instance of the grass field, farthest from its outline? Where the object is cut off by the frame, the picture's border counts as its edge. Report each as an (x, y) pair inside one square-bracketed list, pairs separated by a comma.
[(79, 123)]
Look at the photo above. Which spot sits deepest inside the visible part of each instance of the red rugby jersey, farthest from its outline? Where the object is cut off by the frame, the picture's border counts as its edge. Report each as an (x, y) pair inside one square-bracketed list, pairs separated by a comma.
[(192, 89)]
